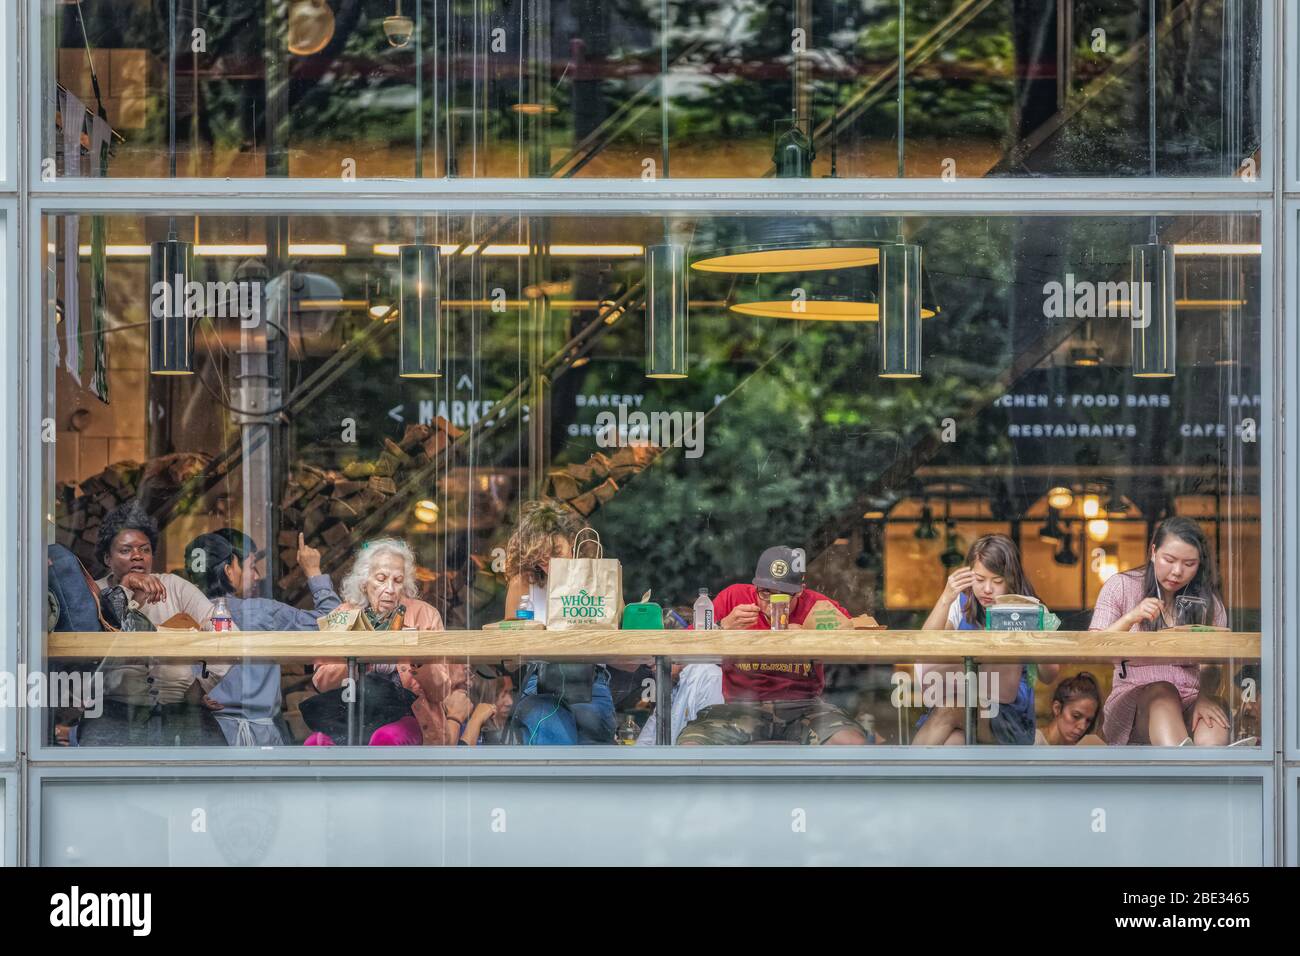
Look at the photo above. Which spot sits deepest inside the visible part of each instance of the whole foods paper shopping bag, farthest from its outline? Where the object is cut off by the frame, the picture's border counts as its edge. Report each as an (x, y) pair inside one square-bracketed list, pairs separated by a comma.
[(584, 591)]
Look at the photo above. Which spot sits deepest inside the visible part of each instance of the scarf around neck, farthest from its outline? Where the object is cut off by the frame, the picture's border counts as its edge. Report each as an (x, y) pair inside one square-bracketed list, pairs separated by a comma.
[(392, 621)]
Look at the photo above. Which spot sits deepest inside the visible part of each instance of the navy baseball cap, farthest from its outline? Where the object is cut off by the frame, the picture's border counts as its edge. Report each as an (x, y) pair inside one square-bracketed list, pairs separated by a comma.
[(776, 570)]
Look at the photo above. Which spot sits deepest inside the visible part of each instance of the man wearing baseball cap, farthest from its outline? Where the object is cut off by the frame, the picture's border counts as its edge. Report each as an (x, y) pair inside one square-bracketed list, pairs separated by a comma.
[(771, 700)]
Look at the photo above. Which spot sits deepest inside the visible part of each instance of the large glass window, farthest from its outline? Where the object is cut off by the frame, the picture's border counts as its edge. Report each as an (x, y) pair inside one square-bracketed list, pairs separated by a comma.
[(640, 89), (880, 394)]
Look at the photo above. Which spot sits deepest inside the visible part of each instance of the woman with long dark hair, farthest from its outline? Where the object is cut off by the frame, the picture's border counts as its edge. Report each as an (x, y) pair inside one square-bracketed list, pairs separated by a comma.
[(992, 569), (1161, 704)]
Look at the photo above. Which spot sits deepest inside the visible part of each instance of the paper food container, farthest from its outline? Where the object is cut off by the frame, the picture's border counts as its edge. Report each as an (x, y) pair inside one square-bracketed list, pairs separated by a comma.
[(1015, 612), (341, 619), (179, 622), (825, 616)]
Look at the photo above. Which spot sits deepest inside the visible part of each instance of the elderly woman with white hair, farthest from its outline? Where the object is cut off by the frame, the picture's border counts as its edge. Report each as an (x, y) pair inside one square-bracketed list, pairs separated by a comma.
[(382, 586)]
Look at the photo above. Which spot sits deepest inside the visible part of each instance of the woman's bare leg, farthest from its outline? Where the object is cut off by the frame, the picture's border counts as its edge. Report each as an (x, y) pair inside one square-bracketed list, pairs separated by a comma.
[(1205, 735), (1159, 719), (939, 727)]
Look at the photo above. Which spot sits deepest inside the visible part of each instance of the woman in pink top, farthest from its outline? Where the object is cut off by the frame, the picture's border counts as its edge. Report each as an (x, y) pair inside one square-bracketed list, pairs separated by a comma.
[(382, 585), (1161, 704)]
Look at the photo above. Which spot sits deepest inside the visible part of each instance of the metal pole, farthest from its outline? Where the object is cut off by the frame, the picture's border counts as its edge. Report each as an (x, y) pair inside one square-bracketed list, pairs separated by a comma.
[(354, 705), (971, 681), (663, 701)]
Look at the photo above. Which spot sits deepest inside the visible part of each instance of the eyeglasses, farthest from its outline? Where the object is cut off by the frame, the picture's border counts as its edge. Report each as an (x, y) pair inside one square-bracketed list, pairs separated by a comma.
[(764, 594)]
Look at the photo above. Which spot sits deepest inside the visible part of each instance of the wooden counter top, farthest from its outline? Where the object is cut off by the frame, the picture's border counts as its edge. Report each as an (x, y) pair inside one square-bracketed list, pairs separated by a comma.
[(840, 646)]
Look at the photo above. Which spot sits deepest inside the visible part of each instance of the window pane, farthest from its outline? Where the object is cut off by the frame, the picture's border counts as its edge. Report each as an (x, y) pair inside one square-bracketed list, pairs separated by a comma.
[(1055, 401), (713, 90)]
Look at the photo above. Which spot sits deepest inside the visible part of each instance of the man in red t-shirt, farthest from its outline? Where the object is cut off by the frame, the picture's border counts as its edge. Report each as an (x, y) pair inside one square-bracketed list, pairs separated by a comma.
[(770, 700)]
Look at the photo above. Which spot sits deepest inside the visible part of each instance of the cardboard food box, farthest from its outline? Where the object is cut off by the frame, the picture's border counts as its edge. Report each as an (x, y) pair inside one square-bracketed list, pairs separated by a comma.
[(179, 622), (825, 616), (1015, 612), (865, 622)]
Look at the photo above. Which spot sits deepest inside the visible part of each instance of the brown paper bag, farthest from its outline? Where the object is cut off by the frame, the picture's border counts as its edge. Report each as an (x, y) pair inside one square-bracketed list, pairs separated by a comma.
[(584, 592), (341, 619), (825, 616)]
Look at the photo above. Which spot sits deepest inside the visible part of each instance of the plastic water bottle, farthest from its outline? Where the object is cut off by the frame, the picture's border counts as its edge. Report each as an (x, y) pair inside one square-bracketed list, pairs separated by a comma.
[(628, 731), (221, 618), (704, 612), (525, 610)]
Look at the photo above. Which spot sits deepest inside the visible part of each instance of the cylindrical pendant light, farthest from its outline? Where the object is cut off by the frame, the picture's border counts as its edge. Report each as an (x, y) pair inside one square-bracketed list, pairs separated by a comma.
[(1152, 263), (1152, 295), (665, 311), (419, 303), (171, 349), (900, 310)]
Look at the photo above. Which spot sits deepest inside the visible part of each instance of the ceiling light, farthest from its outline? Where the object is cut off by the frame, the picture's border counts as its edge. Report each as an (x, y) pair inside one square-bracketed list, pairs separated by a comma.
[(1219, 249), (900, 310), (1065, 555), (119, 251), (1154, 343), (665, 311), (419, 293), (1098, 529), (925, 530), (310, 26), (1086, 354), (611, 251), (817, 310), (170, 345), (390, 248), (398, 29), (760, 260), (1051, 532), (317, 249), (232, 249), (1060, 498)]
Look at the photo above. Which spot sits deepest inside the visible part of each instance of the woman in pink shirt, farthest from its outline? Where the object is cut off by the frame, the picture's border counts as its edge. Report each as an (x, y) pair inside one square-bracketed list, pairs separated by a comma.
[(1161, 703), (381, 585)]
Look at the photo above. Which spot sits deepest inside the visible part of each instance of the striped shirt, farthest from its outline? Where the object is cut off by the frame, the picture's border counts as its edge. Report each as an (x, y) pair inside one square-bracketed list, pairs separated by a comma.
[(1117, 597)]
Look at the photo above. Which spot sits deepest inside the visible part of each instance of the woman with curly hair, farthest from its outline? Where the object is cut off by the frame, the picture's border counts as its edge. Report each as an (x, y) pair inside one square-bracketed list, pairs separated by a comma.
[(546, 529), (381, 585)]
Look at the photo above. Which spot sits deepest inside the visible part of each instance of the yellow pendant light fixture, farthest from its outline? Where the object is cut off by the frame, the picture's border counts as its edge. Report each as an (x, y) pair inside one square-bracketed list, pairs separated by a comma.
[(759, 260), (817, 310)]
